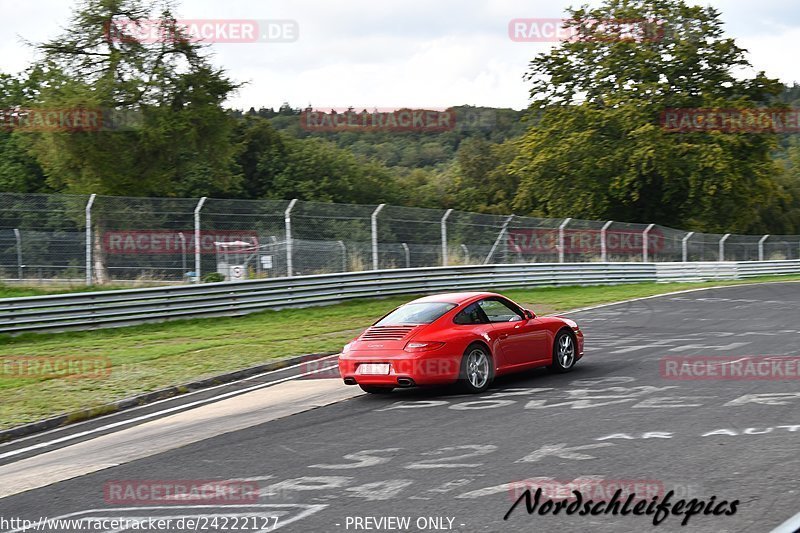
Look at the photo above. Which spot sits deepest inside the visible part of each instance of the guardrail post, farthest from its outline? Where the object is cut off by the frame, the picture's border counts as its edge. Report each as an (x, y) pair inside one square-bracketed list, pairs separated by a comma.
[(722, 246), (645, 243), (287, 222), (498, 239), (761, 247), (407, 253), (344, 255), (466, 253), (18, 239), (374, 218), (561, 239), (685, 246), (197, 238), (444, 236), (89, 239), (603, 244)]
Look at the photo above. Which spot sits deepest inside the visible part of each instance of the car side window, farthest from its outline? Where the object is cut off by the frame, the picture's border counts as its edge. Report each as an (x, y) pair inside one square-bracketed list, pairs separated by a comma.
[(472, 314), (499, 311)]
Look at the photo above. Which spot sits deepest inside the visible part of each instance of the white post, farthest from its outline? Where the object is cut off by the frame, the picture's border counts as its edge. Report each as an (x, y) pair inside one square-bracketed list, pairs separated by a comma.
[(645, 243), (287, 221), (603, 244), (408, 254), (466, 253), (498, 239), (722, 246), (89, 239), (444, 236), (374, 218), (197, 238), (18, 238), (183, 253), (344, 255), (561, 239), (761, 247), (685, 246)]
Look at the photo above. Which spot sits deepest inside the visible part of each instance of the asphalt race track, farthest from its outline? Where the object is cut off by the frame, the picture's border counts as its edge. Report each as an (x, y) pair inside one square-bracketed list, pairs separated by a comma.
[(451, 462)]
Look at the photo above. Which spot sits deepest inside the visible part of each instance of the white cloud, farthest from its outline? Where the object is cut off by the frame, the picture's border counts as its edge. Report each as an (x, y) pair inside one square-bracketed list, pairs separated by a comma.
[(397, 52)]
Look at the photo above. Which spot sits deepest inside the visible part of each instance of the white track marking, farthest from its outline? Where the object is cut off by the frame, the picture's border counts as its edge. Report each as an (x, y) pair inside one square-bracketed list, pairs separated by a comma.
[(673, 293), (155, 414), (790, 526), (151, 404)]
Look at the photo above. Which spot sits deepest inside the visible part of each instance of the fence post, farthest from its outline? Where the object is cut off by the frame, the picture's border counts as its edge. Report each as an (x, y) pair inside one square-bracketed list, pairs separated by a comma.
[(18, 239), (183, 253), (561, 239), (685, 246), (722, 246), (444, 236), (89, 239), (645, 243), (197, 238), (287, 222), (344, 255), (603, 243), (761, 247), (498, 239), (374, 218), (408, 254)]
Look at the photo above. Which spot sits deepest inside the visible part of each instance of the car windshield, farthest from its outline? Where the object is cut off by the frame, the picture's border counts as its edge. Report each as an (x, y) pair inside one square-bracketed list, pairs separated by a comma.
[(416, 313)]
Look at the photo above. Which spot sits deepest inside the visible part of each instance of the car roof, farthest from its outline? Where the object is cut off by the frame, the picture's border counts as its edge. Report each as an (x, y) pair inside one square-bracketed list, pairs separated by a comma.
[(455, 297)]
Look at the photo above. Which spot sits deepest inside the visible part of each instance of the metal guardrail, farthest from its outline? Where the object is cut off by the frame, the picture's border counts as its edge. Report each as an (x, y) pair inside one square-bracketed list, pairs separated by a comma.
[(92, 310)]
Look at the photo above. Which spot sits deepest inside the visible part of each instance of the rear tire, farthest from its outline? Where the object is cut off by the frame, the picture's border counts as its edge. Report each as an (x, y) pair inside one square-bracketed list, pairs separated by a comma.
[(563, 352), (371, 389), (477, 369)]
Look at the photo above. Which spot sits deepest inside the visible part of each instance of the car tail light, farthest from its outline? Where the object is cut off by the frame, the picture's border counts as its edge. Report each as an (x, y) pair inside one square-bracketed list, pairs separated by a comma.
[(422, 346)]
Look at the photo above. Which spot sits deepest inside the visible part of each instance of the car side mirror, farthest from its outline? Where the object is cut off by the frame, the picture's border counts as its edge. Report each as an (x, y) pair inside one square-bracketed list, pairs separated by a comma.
[(530, 315)]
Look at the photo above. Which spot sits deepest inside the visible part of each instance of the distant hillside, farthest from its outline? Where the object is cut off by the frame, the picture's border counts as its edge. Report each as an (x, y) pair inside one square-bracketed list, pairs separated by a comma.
[(407, 149)]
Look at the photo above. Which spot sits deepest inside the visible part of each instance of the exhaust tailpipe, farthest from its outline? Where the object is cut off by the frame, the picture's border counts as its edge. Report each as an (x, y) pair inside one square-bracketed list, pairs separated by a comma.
[(405, 382)]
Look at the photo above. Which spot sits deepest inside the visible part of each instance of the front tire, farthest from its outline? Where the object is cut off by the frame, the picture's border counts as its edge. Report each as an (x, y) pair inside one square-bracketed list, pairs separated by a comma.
[(371, 389), (477, 369), (563, 352)]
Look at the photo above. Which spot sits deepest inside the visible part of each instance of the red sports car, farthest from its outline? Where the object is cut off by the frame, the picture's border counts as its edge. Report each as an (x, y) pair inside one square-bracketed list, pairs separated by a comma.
[(468, 337)]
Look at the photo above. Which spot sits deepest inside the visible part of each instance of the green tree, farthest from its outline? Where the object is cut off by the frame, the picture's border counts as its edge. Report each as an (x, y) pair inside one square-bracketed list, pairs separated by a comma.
[(165, 131), (598, 149), (316, 169), (19, 171), (262, 154), (484, 182)]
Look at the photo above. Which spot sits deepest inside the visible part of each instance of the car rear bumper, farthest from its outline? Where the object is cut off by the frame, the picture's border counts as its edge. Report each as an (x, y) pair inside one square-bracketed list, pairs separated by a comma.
[(405, 369)]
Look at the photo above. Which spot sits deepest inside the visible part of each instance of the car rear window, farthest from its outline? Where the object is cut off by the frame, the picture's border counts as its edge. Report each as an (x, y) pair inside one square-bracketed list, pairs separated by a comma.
[(416, 313)]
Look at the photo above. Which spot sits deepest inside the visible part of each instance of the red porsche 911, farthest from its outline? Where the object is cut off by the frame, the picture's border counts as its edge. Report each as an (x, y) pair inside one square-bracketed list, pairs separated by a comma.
[(466, 337)]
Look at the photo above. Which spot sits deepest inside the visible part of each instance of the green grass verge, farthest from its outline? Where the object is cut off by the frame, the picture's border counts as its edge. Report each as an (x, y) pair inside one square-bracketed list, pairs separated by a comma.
[(150, 357), (19, 291)]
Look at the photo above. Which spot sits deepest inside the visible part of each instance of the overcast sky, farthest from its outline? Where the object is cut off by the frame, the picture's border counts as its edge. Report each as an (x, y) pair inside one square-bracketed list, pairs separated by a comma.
[(392, 53)]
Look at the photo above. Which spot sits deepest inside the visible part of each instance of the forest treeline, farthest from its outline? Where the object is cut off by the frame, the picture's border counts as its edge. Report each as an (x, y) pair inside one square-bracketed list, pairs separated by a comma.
[(590, 145)]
